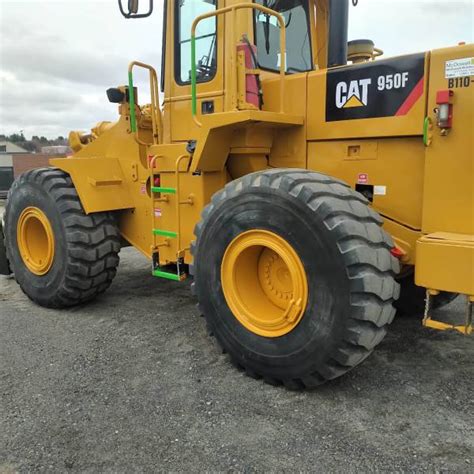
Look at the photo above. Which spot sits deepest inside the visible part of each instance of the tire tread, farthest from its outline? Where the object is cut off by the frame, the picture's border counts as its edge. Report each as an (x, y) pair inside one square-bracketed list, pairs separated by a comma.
[(357, 229), (93, 240)]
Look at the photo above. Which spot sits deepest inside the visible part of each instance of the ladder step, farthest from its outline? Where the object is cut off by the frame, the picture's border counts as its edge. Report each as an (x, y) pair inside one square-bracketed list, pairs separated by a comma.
[(165, 233), (159, 189), (168, 276)]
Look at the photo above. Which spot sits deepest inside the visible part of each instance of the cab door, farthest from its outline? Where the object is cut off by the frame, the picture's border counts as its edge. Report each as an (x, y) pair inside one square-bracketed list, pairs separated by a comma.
[(209, 64)]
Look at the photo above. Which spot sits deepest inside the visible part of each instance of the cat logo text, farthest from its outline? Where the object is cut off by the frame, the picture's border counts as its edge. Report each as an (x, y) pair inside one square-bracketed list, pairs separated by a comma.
[(352, 94)]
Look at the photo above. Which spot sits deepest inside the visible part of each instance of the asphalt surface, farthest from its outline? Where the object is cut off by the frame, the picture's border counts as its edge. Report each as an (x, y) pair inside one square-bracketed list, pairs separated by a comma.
[(132, 382)]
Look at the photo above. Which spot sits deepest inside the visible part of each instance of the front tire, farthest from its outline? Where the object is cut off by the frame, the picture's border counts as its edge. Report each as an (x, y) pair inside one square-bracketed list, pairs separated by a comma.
[(348, 270), (60, 256)]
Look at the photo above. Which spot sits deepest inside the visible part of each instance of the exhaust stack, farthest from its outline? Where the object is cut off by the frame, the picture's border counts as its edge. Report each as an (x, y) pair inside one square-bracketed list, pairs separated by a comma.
[(338, 32)]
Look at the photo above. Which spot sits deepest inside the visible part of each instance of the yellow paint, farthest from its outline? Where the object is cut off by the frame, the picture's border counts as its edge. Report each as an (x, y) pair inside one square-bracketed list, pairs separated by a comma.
[(448, 191), (386, 161), (35, 240), (264, 283), (102, 182), (440, 326), (440, 251)]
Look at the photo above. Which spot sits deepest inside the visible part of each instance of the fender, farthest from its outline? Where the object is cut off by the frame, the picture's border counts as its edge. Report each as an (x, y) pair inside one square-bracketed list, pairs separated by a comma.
[(100, 183)]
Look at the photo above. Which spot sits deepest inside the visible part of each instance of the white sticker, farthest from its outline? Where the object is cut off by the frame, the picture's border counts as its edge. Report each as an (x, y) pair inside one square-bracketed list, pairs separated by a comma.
[(279, 60), (157, 212), (459, 68), (380, 190)]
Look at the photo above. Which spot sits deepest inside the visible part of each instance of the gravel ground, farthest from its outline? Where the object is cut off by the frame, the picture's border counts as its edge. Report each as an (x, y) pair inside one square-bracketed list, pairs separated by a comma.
[(132, 382)]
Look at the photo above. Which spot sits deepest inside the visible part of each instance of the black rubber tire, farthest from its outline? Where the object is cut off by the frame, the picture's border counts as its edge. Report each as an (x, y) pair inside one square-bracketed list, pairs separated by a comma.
[(350, 271), (86, 246), (412, 297)]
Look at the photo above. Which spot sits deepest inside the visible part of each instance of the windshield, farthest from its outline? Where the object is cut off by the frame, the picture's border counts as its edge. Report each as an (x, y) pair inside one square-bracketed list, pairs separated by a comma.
[(298, 44)]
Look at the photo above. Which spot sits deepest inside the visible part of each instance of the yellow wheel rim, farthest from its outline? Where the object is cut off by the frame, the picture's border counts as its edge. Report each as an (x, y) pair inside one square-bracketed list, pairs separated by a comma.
[(35, 240), (264, 283)]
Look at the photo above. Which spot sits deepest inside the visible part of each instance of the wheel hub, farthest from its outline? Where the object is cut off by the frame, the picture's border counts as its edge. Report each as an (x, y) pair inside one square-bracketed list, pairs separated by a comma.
[(264, 283), (275, 278), (35, 240)]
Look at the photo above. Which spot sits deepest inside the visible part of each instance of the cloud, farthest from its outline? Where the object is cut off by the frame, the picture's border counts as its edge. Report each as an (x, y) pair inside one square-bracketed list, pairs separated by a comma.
[(408, 26), (57, 58)]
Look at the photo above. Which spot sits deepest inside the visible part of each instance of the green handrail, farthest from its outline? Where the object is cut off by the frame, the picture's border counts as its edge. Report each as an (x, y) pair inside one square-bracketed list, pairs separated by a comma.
[(426, 131), (131, 96)]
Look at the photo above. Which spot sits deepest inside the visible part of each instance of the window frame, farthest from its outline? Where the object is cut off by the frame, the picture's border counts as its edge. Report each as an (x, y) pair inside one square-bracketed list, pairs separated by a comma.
[(177, 48), (163, 47), (308, 20)]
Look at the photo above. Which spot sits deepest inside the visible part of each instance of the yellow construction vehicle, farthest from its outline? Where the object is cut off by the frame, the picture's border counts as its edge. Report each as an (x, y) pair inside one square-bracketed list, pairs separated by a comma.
[(299, 179)]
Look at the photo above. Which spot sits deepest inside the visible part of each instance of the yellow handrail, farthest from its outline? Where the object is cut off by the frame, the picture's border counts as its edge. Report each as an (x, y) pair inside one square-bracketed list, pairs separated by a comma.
[(178, 204), (232, 9), (156, 119)]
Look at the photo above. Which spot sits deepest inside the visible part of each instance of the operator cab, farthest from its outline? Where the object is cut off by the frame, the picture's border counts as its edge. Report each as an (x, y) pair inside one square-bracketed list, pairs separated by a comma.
[(324, 46), (221, 55)]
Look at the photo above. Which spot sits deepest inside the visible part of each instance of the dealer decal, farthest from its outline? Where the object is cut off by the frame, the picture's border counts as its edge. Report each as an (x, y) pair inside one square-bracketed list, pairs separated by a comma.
[(456, 68), (376, 89)]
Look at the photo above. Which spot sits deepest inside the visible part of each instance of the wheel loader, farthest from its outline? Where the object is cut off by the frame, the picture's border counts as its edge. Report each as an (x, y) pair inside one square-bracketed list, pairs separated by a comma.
[(302, 182)]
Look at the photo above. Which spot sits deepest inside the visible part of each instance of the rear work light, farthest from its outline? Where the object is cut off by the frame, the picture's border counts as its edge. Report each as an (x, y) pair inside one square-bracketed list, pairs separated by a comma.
[(444, 109)]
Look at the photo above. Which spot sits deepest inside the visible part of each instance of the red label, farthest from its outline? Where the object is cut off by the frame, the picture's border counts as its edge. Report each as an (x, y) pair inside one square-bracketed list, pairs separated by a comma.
[(363, 178)]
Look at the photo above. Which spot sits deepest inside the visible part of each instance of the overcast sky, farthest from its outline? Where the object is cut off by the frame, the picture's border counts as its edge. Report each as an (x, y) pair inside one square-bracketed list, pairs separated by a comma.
[(57, 58)]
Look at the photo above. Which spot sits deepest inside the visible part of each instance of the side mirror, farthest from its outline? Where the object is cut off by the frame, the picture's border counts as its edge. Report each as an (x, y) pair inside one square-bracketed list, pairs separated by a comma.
[(133, 8)]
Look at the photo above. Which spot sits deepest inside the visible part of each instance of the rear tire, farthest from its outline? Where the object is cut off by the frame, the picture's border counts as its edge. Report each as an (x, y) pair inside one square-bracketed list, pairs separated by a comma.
[(84, 247), (350, 274)]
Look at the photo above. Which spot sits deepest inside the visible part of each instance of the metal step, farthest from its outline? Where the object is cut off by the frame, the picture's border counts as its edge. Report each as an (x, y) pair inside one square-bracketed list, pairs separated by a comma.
[(168, 275), (165, 233), (177, 275), (159, 189)]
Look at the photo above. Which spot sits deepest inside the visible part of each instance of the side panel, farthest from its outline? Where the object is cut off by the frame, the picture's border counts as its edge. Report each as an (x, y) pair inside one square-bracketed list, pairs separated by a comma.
[(288, 149), (394, 166), (448, 199), (374, 99), (441, 251)]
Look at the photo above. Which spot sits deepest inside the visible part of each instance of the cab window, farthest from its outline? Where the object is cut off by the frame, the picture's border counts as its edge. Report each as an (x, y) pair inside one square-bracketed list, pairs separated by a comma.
[(298, 41), (206, 41)]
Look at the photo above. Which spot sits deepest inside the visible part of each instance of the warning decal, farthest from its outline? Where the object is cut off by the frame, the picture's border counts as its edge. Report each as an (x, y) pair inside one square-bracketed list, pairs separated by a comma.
[(459, 68), (375, 89)]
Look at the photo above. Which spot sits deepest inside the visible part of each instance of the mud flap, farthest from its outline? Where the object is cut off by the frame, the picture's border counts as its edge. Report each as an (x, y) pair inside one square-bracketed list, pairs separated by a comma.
[(4, 266)]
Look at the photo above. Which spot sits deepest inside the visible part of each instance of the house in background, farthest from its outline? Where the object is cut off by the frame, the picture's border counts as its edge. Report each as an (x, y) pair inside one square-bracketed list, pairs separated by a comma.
[(15, 160), (7, 151)]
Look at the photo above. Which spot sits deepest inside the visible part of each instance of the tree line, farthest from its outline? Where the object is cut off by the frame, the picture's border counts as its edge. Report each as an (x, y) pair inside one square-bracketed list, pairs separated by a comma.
[(35, 144)]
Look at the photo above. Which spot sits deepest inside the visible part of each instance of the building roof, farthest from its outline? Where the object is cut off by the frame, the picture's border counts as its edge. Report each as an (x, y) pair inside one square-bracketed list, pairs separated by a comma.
[(9, 147)]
